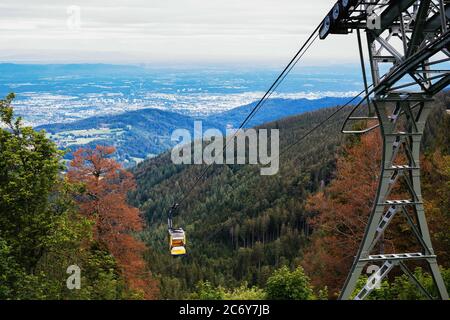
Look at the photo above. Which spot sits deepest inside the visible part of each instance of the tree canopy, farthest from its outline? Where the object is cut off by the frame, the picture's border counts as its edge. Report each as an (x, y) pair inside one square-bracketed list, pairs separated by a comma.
[(42, 229)]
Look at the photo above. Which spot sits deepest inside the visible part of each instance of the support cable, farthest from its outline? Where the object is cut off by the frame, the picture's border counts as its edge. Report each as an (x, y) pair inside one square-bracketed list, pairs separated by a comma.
[(300, 53)]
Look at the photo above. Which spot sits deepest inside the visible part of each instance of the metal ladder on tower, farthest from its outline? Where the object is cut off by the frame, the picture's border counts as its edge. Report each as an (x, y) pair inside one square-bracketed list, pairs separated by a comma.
[(405, 145)]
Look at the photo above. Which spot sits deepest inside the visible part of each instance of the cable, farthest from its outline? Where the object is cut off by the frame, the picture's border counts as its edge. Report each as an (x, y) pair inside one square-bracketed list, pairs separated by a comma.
[(269, 94), (329, 117), (367, 95), (300, 53), (319, 125)]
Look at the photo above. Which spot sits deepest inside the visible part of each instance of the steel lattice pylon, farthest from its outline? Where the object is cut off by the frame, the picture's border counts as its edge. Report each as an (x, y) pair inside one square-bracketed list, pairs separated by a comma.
[(411, 38), (399, 142)]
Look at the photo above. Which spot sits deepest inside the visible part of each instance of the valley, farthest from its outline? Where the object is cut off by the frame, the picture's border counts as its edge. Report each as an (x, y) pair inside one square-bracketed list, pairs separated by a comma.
[(145, 133)]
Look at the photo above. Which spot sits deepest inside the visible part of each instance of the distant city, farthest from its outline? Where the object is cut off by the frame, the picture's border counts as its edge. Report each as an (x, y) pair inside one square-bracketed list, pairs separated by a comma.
[(49, 94), (88, 104)]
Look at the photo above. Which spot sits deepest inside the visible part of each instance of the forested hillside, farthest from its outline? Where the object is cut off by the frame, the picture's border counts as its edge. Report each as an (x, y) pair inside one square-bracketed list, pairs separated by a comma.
[(241, 226)]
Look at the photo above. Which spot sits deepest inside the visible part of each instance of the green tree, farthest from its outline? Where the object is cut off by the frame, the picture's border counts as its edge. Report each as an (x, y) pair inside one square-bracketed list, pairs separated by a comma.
[(10, 271), (206, 291), (243, 292), (402, 288), (41, 233), (29, 168), (285, 284)]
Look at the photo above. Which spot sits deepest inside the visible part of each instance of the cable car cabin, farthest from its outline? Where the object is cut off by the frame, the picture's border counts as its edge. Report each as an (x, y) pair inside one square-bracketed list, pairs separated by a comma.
[(177, 242)]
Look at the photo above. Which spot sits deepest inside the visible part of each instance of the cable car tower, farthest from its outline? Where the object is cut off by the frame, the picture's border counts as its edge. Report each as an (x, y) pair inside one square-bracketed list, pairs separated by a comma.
[(409, 54)]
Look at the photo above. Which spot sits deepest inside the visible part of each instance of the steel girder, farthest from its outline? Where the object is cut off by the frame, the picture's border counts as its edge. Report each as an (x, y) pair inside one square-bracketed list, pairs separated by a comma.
[(400, 163), (409, 52)]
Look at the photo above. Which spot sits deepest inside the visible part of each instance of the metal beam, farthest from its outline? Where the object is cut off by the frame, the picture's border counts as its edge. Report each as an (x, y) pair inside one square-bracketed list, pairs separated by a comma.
[(414, 61), (434, 22), (393, 11), (418, 33)]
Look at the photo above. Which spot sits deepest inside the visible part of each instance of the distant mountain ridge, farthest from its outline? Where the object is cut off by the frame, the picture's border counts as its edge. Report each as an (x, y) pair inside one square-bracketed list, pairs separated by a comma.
[(135, 134), (274, 109), (147, 132)]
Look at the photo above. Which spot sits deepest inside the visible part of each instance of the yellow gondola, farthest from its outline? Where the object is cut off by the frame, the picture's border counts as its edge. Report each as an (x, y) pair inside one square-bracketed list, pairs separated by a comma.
[(177, 242)]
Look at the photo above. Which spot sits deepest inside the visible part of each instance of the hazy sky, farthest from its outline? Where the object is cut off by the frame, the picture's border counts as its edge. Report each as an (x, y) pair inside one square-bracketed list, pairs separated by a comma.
[(166, 31)]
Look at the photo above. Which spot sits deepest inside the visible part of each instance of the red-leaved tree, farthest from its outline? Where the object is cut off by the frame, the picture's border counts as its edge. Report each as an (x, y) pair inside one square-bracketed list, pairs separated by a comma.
[(340, 213), (104, 201)]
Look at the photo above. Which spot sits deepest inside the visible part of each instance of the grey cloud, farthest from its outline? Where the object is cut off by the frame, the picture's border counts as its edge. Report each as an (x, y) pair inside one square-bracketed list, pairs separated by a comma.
[(147, 30)]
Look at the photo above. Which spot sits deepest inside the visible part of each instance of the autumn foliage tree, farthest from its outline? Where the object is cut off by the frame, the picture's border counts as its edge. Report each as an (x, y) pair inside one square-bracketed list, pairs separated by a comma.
[(337, 218), (339, 214), (104, 200), (436, 192)]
